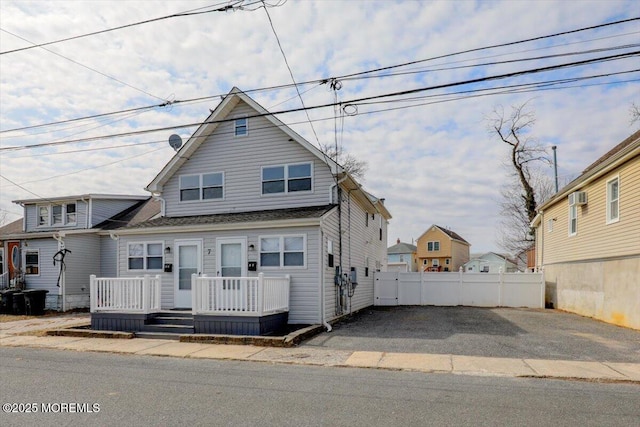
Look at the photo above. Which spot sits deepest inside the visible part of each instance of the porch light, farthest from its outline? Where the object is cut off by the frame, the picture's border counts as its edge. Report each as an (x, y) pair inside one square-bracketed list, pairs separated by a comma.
[(252, 247), (167, 250)]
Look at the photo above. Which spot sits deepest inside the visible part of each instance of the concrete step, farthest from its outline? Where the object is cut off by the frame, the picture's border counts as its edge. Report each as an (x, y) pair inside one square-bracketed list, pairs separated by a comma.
[(158, 335), (169, 328), (172, 320)]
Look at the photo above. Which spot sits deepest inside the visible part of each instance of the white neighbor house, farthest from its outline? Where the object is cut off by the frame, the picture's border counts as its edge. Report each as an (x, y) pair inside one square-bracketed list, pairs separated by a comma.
[(251, 212)]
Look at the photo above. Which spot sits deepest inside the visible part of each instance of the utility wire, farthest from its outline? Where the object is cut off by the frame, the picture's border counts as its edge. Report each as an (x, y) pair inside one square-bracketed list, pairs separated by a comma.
[(353, 101), (324, 80), (229, 6), (85, 66), (290, 72)]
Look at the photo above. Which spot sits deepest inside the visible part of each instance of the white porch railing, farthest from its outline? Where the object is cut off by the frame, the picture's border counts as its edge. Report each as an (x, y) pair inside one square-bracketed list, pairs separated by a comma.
[(240, 296), (4, 280), (125, 294)]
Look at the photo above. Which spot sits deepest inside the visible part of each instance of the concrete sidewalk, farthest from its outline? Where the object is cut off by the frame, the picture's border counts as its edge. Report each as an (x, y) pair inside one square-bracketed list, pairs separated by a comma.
[(26, 333)]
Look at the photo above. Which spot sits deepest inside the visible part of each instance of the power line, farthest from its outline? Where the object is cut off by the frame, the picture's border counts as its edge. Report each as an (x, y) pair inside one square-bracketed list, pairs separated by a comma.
[(175, 15), (325, 80), (85, 66), (290, 72), (353, 101)]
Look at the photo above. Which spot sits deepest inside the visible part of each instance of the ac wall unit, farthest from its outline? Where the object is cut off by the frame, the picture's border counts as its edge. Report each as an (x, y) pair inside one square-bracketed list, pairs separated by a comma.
[(578, 198)]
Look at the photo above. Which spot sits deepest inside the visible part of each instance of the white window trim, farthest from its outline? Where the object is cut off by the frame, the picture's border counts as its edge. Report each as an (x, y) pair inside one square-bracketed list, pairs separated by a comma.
[(50, 222), (433, 242), (608, 200), (286, 179), (24, 262), (574, 207), (435, 262), (200, 188), (550, 222), (145, 255), (235, 126), (281, 250)]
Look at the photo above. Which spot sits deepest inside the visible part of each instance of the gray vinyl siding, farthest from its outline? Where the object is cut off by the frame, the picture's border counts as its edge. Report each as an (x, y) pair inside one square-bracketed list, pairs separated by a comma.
[(240, 159), (82, 262), (360, 243), (31, 215), (108, 257), (303, 299), (48, 273)]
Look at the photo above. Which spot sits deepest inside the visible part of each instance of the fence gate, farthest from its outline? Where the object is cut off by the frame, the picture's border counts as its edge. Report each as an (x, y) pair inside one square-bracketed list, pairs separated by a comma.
[(450, 289)]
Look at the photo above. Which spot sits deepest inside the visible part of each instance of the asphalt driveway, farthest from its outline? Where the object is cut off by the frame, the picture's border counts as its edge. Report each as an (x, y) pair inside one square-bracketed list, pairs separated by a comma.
[(489, 332)]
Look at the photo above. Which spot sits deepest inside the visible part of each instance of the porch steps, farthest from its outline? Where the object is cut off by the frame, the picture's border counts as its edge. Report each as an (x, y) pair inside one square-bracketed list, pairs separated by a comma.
[(168, 325)]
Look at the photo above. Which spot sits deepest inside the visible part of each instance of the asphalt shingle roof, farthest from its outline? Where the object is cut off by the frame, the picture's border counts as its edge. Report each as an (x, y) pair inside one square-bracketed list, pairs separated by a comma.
[(236, 217)]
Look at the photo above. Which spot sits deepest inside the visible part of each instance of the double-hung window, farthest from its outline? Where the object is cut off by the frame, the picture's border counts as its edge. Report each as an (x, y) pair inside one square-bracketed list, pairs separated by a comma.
[(613, 200), (32, 262), (241, 126), (145, 256), (206, 186), (282, 251), (43, 215), (433, 246), (286, 178), (573, 220), (56, 215)]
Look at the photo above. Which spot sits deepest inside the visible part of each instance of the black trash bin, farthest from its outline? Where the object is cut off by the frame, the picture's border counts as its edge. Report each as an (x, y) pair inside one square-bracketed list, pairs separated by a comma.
[(18, 303), (6, 300), (34, 300)]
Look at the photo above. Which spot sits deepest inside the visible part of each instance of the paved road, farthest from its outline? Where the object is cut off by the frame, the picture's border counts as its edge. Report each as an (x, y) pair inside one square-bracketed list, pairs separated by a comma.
[(148, 391), (486, 332)]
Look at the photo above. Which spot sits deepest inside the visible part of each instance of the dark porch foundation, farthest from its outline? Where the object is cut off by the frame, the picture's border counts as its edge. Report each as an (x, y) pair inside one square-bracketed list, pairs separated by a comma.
[(239, 325), (125, 322)]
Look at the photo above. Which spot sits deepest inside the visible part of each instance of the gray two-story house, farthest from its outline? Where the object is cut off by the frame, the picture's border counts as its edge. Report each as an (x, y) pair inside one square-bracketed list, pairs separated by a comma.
[(256, 224), (57, 245)]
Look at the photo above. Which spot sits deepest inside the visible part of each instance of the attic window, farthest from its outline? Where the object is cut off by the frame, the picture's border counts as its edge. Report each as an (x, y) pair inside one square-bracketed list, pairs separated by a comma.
[(286, 178), (241, 126)]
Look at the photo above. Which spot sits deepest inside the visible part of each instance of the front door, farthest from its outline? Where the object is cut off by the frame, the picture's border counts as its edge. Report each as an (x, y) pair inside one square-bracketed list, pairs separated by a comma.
[(231, 257), (188, 259)]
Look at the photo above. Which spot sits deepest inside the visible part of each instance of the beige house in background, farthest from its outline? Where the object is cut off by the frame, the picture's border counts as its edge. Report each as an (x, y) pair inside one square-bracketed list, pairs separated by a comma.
[(440, 249), (588, 239)]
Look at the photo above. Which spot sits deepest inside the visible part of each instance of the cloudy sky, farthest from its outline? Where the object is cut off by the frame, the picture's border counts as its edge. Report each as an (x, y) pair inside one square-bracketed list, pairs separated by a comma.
[(428, 152)]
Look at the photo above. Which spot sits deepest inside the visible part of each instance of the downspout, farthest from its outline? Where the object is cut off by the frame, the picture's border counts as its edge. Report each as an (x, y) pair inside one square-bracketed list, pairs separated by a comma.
[(115, 237), (323, 320), (58, 237)]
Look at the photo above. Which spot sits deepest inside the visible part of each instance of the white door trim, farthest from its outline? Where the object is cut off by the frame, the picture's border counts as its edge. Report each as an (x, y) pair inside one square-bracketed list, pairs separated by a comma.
[(243, 251), (180, 297)]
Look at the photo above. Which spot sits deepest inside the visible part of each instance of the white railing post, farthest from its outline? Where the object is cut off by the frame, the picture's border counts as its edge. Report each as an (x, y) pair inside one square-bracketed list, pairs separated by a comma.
[(260, 294), (286, 292), (194, 294), (93, 295), (157, 292), (145, 294)]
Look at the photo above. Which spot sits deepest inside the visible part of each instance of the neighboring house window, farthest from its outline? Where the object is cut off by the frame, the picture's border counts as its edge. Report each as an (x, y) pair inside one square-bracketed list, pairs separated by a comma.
[(241, 126), (286, 178), (366, 219), (425, 262), (202, 187), (447, 261), (145, 256), (433, 246), (573, 220), (282, 251), (56, 215), (485, 269), (550, 225), (43, 215), (613, 200), (32, 262), (435, 262), (70, 215)]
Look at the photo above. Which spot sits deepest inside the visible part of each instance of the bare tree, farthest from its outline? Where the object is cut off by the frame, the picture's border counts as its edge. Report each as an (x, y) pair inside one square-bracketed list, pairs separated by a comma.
[(349, 162), (528, 185), (634, 110)]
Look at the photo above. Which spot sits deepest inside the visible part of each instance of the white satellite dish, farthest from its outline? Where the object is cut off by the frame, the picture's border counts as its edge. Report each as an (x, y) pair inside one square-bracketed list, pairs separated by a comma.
[(175, 142)]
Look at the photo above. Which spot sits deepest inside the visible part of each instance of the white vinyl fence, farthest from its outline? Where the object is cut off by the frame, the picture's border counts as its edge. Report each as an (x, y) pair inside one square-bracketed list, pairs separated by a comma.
[(125, 294), (450, 289)]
